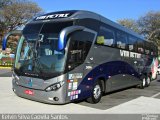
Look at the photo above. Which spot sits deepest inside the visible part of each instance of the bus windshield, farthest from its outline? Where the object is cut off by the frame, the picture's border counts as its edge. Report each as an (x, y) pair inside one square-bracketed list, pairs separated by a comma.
[(37, 53)]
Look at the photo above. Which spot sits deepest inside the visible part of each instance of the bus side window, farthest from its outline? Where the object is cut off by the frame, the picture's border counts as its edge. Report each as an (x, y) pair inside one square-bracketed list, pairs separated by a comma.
[(155, 50), (147, 48), (140, 46), (106, 37), (121, 40), (132, 44), (152, 49), (76, 52)]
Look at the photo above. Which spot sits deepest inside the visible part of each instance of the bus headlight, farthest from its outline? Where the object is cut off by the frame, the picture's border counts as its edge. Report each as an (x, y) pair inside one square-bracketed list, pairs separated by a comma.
[(55, 86)]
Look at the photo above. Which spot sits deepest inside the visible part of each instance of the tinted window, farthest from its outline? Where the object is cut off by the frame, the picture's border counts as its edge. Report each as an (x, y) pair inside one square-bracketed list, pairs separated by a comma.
[(152, 49), (121, 40), (140, 46), (55, 27), (80, 43), (132, 44), (88, 23), (147, 48), (155, 49), (32, 28), (106, 37), (50, 30)]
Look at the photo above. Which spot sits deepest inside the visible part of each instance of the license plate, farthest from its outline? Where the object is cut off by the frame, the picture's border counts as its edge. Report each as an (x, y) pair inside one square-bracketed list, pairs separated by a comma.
[(29, 92)]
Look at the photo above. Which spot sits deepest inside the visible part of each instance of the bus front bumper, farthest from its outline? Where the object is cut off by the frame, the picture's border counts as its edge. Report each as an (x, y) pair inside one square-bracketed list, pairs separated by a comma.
[(52, 97)]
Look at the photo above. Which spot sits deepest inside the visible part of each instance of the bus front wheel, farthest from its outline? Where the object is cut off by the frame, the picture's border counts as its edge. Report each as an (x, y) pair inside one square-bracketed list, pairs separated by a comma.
[(96, 93)]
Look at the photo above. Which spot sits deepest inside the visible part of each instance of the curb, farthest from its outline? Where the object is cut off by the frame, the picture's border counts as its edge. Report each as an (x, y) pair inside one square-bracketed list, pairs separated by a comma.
[(5, 67)]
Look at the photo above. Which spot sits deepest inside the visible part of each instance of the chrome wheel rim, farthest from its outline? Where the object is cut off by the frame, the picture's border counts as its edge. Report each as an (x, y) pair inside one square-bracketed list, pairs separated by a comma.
[(148, 80), (144, 82), (97, 91)]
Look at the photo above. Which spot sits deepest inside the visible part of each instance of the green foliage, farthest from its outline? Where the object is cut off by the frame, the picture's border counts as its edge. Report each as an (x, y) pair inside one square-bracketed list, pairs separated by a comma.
[(147, 25), (16, 13), (130, 23), (4, 3)]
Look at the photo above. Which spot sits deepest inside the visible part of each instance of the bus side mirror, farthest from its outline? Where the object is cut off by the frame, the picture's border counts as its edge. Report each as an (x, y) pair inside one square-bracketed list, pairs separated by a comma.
[(4, 42), (63, 36), (62, 40)]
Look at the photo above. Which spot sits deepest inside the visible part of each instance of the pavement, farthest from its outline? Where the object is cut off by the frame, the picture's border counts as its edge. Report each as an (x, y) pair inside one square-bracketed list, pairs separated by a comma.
[(127, 101)]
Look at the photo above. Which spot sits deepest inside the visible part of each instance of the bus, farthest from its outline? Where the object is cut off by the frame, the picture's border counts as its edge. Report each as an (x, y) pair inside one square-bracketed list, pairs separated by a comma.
[(68, 56)]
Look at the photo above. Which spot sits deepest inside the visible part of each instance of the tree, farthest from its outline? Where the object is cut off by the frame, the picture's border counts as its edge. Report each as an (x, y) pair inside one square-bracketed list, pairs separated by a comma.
[(149, 25), (4, 3), (129, 23), (18, 13)]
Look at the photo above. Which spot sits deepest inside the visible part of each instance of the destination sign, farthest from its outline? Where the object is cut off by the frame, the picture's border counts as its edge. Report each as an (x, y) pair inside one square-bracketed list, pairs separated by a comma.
[(54, 15)]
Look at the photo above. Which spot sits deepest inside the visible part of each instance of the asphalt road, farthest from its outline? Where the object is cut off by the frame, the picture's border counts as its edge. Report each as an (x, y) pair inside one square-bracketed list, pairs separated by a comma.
[(116, 98), (5, 72), (131, 100)]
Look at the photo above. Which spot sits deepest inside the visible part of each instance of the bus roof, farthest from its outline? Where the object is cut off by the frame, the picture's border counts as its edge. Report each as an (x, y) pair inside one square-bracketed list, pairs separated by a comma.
[(81, 14)]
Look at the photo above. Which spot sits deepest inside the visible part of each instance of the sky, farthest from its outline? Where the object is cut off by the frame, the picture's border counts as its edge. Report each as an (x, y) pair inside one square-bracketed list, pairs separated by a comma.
[(111, 9)]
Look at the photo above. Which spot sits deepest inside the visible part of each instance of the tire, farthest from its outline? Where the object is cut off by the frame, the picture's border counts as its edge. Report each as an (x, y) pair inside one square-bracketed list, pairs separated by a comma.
[(143, 84), (96, 93), (148, 81)]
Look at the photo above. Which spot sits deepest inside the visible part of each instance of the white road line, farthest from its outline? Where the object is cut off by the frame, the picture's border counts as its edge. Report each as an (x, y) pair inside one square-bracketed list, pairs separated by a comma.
[(155, 95)]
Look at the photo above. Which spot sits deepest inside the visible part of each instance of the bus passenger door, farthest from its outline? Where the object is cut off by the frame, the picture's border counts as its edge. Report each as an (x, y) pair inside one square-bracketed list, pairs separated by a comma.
[(79, 52), (79, 62)]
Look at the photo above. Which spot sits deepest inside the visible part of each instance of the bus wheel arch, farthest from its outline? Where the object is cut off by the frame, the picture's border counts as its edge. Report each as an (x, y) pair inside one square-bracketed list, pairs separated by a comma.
[(97, 91), (103, 82)]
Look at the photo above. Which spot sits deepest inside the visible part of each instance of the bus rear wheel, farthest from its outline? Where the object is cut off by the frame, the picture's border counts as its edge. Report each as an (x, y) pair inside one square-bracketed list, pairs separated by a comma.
[(143, 83), (96, 93), (148, 81)]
